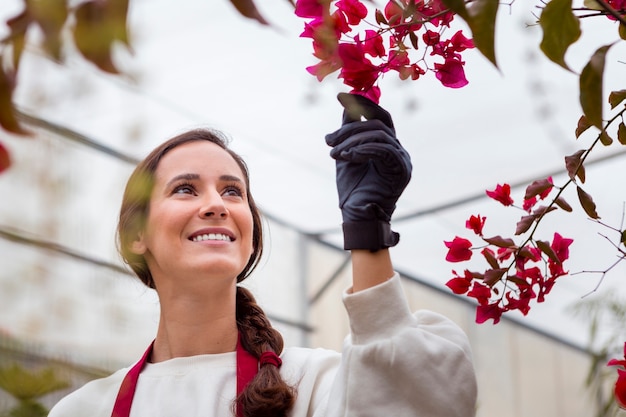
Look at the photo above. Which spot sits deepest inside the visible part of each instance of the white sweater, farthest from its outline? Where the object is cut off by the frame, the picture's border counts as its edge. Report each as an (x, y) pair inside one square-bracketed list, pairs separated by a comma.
[(394, 364)]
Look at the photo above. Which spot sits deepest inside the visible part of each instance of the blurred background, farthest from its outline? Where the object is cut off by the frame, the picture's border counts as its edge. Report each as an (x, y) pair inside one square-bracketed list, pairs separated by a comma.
[(71, 312)]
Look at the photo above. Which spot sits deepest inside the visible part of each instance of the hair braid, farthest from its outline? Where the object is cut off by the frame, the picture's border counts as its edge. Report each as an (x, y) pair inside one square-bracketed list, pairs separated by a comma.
[(267, 394)]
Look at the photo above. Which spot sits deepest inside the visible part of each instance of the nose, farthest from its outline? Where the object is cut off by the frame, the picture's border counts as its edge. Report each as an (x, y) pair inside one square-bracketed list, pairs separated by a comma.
[(213, 206)]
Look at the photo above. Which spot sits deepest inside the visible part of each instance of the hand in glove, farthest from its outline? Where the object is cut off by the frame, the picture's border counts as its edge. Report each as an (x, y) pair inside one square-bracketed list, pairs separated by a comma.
[(372, 171)]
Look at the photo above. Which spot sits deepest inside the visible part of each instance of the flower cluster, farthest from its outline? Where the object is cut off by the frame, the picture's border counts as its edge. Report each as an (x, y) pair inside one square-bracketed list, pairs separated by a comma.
[(341, 43), (516, 274), (620, 385)]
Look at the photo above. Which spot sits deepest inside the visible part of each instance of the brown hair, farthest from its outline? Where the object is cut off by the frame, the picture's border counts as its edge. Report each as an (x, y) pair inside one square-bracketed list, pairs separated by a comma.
[(267, 394)]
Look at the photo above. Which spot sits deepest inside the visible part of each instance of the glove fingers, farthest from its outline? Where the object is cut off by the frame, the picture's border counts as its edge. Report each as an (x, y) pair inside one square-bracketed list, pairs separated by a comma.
[(361, 128), (357, 106), (389, 161)]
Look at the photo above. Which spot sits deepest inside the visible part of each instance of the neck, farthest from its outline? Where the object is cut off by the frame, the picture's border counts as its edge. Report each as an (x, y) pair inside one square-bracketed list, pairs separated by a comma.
[(196, 323)]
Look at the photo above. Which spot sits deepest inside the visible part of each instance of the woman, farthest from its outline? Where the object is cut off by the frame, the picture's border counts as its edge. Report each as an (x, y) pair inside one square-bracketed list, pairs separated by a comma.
[(190, 229)]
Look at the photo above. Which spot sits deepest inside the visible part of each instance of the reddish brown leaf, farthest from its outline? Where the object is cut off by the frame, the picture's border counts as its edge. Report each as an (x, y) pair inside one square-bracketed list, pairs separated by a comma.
[(587, 203), (525, 252), (621, 133), (616, 97), (491, 259), (5, 159), (583, 124), (500, 242), (492, 276), (248, 9), (573, 164), (536, 188), (545, 248), (541, 210), (524, 224), (563, 204)]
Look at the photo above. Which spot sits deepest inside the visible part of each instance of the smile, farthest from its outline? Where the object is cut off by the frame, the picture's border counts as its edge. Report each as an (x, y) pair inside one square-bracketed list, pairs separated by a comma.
[(212, 236)]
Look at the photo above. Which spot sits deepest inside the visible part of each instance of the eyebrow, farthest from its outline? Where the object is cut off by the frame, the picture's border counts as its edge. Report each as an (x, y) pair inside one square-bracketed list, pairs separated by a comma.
[(192, 177)]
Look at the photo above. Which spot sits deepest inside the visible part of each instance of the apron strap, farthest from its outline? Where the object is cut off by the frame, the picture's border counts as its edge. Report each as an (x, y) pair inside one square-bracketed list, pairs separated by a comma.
[(247, 368)]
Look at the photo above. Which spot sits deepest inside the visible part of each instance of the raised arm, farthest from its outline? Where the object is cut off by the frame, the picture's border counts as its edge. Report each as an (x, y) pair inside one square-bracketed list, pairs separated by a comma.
[(372, 171)]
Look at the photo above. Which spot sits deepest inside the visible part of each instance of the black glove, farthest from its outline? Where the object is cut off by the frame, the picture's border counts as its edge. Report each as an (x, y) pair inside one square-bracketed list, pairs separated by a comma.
[(372, 171)]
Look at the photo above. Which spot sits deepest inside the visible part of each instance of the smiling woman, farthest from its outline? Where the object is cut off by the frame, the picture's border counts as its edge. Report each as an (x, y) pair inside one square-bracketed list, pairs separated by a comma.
[(190, 229)]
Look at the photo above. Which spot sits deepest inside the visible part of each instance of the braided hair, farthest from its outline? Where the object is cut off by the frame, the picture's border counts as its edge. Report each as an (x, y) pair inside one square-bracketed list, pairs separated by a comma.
[(267, 394)]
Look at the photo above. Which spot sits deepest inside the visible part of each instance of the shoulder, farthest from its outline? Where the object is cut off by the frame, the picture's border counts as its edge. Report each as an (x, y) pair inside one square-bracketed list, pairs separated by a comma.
[(301, 361), (94, 399)]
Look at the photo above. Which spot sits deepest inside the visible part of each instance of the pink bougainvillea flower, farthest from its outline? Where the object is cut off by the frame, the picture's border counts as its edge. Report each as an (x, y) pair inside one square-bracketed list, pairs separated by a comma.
[(458, 250), (373, 44), (560, 246), (459, 43), (5, 159), (488, 311), (373, 93), (393, 13), (310, 8), (354, 10), (476, 224), (323, 68), (451, 73), (620, 384), (529, 204), (357, 71), (502, 193), (480, 292)]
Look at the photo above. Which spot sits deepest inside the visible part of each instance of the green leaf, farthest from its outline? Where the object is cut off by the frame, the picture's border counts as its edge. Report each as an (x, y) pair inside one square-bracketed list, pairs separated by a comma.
[(27, 385), (593, 5), (8, 121), (561, 29), (248, 9), (587, 203), (574, 166), (480, 16), (93, 36), (605, 139), (622, 31), (591, 87), (50, 15), (621, 133), (616, 97)]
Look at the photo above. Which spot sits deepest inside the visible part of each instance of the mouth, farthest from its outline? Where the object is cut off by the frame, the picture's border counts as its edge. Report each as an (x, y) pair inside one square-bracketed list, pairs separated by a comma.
[(212, 237)]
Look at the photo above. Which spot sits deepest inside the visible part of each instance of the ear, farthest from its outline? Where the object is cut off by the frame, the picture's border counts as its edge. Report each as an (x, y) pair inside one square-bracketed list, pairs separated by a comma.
[(138, 247)]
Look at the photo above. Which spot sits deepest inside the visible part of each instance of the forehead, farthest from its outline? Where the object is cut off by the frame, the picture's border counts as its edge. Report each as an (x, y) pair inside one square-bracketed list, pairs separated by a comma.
[(199, 157)]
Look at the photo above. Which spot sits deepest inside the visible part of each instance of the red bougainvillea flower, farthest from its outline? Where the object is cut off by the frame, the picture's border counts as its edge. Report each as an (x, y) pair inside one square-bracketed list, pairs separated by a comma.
[(460, 284), (617, 5), (451, 73), (620, 385), (502, 193), (5, 159), (459, 43), (458, 250), (489, 311), (357, 71), (476, 224), (560, 246)]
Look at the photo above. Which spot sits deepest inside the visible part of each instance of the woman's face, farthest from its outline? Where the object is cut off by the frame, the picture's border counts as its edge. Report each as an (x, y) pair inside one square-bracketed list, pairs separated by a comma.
[(199, 222)]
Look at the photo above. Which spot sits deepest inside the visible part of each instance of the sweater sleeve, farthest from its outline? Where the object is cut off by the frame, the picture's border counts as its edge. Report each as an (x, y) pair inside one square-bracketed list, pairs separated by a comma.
[(400, 364)]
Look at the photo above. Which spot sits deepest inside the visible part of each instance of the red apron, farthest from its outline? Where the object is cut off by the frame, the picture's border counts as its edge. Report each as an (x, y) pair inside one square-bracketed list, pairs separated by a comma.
[(247, 368)]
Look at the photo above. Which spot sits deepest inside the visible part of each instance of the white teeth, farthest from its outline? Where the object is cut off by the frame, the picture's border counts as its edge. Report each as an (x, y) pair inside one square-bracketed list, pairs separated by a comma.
[(211, 236)]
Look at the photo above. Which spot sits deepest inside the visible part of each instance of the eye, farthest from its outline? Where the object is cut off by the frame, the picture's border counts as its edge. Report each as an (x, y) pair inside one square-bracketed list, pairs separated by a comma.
[(233, 190), (184, 188)]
